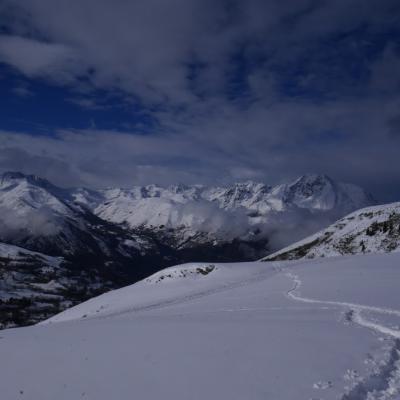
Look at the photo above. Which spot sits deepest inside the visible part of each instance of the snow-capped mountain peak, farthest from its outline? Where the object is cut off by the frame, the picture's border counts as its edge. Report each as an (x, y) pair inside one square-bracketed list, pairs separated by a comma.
[(29, 194), (142, 205), (322, 193), (36, 211), (13, 178), (319, 191)]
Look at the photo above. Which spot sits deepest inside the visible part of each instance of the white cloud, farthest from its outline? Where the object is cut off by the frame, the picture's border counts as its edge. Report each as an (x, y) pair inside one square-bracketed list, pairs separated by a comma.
[(144, 50), (350, 140), (34, 58)]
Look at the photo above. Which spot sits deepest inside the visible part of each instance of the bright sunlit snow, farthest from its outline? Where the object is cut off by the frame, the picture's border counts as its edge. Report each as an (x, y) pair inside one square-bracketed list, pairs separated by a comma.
[(322, 329)]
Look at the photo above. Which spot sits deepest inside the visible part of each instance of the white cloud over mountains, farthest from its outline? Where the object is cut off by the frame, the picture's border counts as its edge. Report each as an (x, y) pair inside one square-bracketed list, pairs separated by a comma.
[(239, 90)]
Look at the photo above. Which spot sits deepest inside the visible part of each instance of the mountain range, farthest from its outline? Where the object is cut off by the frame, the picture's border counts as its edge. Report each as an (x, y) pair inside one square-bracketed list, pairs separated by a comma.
[(96, 240)]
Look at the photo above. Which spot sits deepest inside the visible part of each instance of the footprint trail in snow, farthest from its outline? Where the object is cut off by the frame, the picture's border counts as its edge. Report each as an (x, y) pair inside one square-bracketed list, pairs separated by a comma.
[(383, 384)]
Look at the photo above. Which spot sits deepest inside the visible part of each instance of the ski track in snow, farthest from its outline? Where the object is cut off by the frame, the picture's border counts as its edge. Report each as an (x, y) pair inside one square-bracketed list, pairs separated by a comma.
[(356, 309), (383, 384)]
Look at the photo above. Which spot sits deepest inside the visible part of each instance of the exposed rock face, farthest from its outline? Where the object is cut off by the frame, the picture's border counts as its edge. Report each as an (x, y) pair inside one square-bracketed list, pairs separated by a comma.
[(369, 230)]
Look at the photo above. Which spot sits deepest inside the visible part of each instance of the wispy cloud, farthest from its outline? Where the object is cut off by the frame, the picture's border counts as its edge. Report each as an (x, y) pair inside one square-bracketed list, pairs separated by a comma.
[(37, 59), (23, 91), (255, 89)]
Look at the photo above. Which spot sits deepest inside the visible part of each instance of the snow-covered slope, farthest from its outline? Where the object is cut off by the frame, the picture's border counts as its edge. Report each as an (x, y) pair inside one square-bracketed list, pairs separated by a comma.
[(369, 230), (42, 217), (278, 330), (36, 215), (30, 204)]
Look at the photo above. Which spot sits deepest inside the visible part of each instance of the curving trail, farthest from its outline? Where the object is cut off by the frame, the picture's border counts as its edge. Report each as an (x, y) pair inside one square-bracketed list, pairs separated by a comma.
[(356, 309), (383, 384)]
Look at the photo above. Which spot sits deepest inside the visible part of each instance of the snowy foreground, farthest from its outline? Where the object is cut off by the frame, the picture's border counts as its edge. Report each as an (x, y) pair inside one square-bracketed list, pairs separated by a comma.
[(322, 329)]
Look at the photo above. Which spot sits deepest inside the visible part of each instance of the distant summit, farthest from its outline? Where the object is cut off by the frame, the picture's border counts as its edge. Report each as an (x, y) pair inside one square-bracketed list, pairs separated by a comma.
[(191, 209)]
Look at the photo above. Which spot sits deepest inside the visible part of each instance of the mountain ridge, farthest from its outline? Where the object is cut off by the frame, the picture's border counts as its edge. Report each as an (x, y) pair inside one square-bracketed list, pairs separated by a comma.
[(373, 229), (114, 237), (60, 221)]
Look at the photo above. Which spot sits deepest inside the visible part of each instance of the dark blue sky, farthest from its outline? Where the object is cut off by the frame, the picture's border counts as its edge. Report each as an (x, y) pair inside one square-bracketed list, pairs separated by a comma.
[(40, 107), (98, 93)]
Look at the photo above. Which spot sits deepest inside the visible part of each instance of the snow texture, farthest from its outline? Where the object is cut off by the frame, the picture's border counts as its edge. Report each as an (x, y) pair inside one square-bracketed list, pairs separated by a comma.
[(287, 330)]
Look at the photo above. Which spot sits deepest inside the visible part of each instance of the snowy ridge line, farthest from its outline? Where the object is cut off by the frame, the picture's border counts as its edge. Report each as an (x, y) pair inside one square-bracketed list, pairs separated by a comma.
[(368, 230), (193, 296), (178, 300)]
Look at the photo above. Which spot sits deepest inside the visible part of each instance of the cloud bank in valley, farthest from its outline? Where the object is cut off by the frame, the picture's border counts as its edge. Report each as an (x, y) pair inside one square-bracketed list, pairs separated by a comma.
[(36, 222)]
